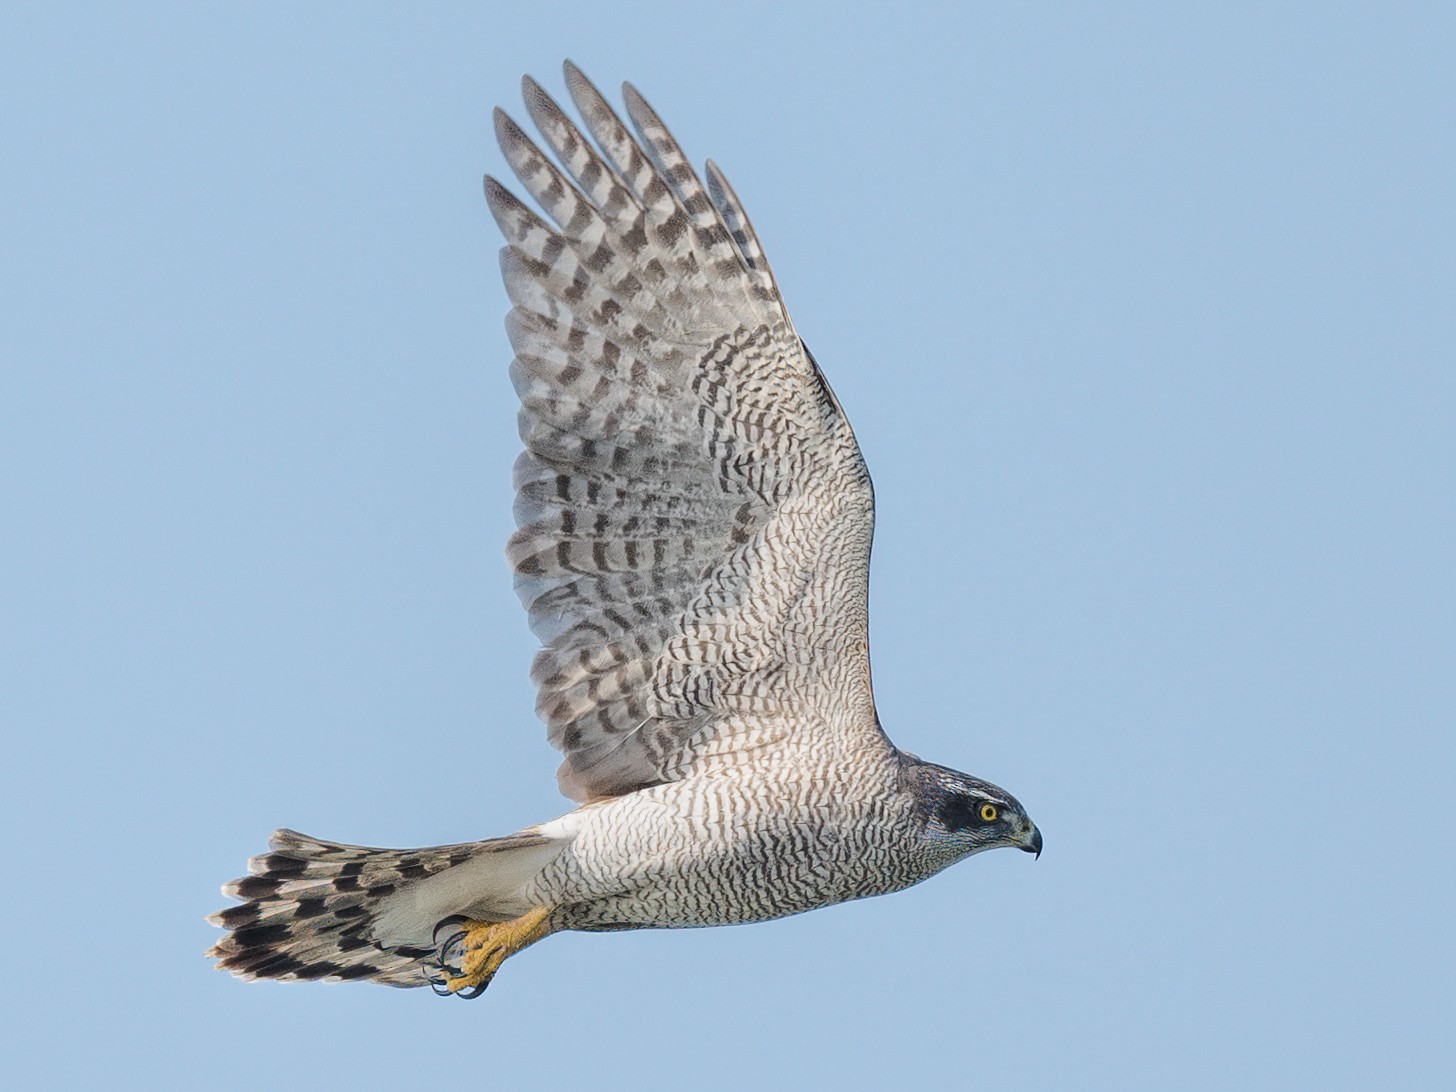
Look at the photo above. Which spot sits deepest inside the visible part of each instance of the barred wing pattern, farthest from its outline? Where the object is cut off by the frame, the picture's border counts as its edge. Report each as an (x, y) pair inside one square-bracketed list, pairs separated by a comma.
[(694, 514)]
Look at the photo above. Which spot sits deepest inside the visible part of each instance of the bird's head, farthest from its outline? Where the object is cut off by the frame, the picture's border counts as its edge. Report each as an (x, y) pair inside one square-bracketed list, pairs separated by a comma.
[(965, 815)]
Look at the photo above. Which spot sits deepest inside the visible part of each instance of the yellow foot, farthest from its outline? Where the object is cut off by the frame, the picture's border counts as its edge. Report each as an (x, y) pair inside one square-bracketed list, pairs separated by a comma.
[(469, 958)]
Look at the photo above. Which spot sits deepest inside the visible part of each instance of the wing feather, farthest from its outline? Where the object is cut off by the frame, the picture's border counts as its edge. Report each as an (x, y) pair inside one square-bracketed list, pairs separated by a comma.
[(693, 513)]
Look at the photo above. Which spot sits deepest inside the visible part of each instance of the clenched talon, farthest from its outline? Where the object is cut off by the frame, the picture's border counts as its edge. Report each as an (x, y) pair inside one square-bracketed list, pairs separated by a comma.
[(468, 959)]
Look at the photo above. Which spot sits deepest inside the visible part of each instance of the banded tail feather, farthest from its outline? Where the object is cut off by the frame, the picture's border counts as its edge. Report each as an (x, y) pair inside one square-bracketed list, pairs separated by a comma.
[(316, 910)]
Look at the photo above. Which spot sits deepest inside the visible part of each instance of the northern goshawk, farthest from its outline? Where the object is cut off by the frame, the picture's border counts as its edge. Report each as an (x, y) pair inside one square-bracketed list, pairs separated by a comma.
[(693, 551)]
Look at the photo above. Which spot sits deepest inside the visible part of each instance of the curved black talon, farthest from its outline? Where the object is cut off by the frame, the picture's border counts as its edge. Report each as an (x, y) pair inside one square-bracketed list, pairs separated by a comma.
[(436, 982), (451, 955), (450, 960), (453, 919), (450, 952)]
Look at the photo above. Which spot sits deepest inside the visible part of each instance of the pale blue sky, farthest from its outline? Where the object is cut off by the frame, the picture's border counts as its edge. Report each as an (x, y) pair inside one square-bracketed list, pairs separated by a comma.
[(1144, 317)]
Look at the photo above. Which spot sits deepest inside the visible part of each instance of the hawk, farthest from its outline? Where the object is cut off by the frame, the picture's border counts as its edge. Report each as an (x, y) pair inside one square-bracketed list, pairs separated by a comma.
[(693, 553)]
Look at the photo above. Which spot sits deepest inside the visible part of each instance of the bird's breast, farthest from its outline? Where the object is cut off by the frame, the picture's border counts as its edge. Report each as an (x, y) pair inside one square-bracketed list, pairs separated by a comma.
[(722, 851)]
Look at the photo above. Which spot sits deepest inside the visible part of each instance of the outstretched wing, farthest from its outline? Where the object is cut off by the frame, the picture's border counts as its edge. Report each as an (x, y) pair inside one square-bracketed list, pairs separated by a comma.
[(694, 514)]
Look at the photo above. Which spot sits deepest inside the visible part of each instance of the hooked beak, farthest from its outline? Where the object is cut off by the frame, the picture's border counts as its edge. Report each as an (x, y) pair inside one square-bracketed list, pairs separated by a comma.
[(1032, 842)]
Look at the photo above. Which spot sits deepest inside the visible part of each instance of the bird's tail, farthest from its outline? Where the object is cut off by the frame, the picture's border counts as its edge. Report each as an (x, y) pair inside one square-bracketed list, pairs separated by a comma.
[(321, 910)]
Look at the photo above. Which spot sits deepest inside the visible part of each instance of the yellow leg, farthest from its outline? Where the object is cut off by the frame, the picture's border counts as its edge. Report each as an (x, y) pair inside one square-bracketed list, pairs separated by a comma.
[(486, 945)]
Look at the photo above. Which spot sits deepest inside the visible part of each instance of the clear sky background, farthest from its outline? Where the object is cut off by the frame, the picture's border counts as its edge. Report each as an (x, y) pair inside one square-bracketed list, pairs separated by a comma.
[(1144, 316)]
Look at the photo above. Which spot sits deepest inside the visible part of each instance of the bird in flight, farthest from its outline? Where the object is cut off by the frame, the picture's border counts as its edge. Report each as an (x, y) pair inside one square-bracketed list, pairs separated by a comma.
[(694, 522)]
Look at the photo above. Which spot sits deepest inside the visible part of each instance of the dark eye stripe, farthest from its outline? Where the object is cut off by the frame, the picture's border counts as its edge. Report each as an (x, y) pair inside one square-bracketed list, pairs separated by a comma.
[(958, 811)]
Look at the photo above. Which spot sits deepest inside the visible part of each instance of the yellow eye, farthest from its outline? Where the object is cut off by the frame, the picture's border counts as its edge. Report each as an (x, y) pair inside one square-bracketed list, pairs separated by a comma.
[(988, 813)]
